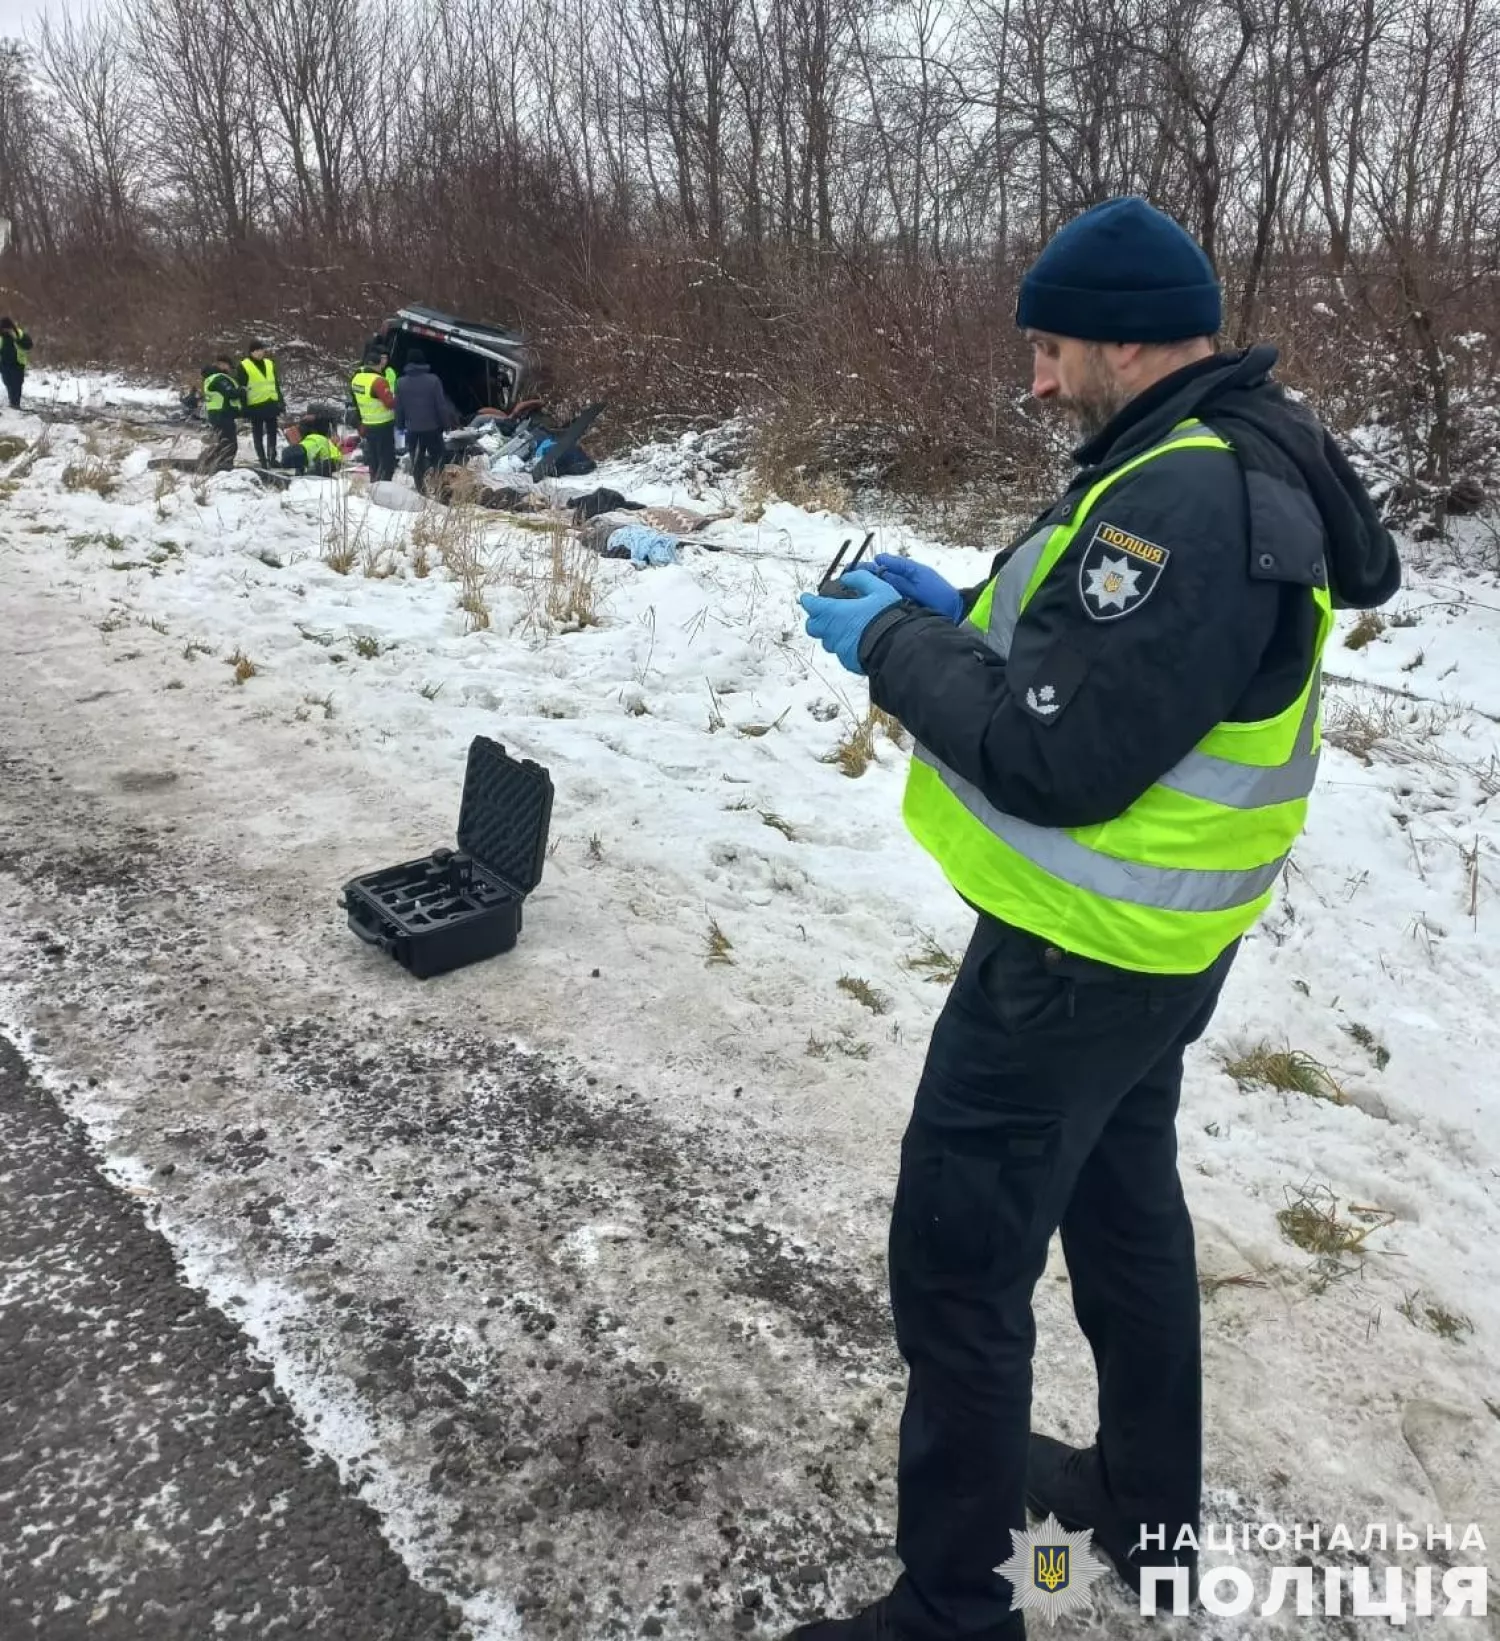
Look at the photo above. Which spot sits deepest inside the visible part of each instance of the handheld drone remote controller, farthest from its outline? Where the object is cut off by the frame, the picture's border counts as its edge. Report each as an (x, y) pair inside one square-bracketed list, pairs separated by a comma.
[(833, 585)]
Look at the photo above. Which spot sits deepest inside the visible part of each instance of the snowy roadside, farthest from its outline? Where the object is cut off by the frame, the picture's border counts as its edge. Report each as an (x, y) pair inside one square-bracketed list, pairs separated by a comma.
[(577, 1255)]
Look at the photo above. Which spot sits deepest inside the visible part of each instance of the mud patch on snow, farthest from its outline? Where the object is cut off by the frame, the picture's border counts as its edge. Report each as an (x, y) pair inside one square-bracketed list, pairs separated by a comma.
[(591, 1372)]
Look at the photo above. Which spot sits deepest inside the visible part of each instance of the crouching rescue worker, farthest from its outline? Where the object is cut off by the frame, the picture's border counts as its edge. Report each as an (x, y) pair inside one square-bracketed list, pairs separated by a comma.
[(375, 403), (310, 452), (222, 398), (1116, 737)]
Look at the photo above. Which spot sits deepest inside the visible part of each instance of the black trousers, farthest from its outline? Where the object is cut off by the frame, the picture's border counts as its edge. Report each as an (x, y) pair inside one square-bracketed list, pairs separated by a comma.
[(426, 454), (380, 450), (263, 420), (14, 378), (1048, 1099), (226, 446)]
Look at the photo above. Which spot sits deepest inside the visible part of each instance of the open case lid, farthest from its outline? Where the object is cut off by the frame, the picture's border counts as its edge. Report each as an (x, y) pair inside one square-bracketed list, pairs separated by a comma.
[(505, 813)]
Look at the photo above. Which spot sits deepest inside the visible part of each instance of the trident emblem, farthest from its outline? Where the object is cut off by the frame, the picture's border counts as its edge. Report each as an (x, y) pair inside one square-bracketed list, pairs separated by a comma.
[(1050, 1567)]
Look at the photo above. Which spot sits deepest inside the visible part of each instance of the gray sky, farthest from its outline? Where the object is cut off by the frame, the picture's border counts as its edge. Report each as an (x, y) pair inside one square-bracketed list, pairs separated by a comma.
[(17, 16)]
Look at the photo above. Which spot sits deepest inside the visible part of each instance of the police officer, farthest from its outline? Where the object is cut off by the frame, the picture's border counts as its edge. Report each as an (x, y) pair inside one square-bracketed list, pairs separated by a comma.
[(223, 397), (375, 403), (15, 352), (264, 400), (1116, 737)]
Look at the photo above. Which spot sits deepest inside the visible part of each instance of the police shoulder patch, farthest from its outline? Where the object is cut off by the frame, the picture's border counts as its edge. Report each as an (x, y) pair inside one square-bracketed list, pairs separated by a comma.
[(1118, 572)]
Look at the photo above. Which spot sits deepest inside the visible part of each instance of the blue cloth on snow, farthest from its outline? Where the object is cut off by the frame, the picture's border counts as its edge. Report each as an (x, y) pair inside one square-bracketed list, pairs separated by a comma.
[(641, 545)]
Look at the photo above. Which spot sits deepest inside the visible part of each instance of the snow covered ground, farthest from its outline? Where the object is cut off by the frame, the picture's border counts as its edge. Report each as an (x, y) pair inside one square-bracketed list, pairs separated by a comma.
[(645, 1158), (94, 390)]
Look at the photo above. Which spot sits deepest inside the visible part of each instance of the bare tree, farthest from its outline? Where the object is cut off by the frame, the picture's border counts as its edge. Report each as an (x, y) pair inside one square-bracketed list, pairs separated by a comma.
[(24, 196), (190, 54), (97, 137)]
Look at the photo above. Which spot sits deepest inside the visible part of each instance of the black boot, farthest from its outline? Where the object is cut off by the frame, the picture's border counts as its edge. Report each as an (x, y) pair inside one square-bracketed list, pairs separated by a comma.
[(874, 1623), (1068, 1482)]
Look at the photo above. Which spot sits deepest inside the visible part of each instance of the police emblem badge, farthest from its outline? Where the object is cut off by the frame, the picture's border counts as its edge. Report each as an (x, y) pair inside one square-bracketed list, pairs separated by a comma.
[(1118, 572), (1050, 1569)]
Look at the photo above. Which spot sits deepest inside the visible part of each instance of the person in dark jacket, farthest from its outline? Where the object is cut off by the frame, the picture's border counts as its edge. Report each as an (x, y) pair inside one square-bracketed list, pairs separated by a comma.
[(1116, 737), (423, 412), (15, 350), (223, 399)]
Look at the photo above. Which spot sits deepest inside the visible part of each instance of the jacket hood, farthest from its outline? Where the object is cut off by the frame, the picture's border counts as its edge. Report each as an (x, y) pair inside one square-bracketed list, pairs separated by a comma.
[(1276, 436), (416, 370)]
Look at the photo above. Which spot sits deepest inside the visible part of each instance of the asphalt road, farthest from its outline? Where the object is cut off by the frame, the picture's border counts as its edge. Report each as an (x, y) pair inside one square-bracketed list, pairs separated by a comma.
[(152, 1481)]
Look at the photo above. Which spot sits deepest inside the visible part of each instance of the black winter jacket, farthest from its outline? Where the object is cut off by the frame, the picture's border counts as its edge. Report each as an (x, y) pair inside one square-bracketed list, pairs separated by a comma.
[(1104, 691), (421, 404)]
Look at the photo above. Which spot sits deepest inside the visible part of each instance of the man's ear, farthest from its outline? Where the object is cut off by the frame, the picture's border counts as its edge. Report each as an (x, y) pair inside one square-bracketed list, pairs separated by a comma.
[(1124, 356)]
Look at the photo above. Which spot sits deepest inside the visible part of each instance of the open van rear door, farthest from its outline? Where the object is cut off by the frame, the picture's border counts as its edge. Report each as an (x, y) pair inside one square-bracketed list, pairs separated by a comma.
[(482, 366)]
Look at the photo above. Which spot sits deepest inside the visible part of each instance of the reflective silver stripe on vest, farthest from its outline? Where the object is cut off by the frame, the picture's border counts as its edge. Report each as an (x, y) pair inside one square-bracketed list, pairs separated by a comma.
[(1251, 786), (1165, 888), (1010, 589)]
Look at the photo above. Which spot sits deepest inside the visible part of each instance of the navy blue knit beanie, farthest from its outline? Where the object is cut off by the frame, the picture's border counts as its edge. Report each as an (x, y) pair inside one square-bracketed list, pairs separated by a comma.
[(1121, 272)]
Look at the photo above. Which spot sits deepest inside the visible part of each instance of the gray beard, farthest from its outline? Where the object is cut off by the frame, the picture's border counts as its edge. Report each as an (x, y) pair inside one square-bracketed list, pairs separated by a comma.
[(1092, 416)]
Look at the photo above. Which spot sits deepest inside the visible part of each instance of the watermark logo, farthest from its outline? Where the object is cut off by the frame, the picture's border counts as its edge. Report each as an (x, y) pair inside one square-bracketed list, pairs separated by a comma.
[(1050, 1569), (1295, 1577)]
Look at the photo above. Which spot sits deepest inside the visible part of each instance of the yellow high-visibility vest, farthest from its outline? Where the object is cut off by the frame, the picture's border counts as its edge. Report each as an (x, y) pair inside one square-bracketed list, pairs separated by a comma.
[(1190, 866), (371, 412), (261, 386), (320, 448)]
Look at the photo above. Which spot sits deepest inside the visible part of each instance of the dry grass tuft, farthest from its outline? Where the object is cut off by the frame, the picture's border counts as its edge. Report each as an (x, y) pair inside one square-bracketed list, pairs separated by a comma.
[(865, 994), (1364, 631), (571, 595), (1311, 1221), (92, 473), (821, 1047), (1212, 1286), (856, 752), (1288, 1069), (1438, 1319), (935, 962), (1371, 1044), (778, 471), (344, 540), (1403, 730)]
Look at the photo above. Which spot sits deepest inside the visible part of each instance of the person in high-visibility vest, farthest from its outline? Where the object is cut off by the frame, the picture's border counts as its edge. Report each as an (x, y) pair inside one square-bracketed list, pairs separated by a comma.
[(375, 403), (1116, 735), (265, 400), (223, 397), (310, 451), (15, 352)]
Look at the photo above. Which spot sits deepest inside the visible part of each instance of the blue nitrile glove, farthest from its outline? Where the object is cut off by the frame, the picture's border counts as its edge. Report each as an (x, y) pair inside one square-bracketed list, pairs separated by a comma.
[(839, 623), (921, 585)]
